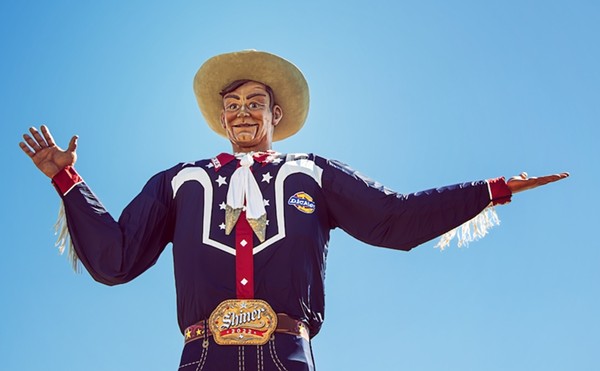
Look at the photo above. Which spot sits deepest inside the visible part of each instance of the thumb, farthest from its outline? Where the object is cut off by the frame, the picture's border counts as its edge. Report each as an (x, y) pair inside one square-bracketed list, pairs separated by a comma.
[(73, 144)]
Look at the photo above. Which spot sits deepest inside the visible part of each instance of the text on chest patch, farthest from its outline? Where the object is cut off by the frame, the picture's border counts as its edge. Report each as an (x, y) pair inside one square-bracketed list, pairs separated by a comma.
[(303, 202)]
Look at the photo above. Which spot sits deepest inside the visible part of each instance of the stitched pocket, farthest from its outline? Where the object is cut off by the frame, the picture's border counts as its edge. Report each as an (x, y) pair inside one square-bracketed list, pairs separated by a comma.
[(199, 352), (289, 353)]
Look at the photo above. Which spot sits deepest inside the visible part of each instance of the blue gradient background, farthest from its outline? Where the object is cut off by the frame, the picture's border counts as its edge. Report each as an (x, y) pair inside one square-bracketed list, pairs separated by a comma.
[(413, 94)]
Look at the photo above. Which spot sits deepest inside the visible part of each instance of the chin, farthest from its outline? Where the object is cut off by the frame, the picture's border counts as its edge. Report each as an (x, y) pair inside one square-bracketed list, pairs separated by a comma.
[(246, 143), (246, 138)]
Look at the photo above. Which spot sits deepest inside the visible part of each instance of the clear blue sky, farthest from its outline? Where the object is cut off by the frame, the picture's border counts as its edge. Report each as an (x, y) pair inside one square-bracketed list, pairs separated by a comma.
[(413, 94)]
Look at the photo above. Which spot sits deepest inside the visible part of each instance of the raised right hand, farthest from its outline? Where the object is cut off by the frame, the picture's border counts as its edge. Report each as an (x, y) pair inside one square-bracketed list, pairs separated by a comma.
[(45, 154)]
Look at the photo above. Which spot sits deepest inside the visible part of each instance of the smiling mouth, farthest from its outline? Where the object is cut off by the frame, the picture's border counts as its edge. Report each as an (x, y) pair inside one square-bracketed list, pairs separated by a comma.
[(244, 131), (245, 125)]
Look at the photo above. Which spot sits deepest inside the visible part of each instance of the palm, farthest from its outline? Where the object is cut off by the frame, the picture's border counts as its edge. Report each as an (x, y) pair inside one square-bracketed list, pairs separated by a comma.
[(45, 154), (53, 159), (523, 182)]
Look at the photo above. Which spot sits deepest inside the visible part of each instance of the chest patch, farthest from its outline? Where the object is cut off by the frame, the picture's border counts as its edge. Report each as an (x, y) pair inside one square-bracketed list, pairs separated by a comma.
[(303, 202)]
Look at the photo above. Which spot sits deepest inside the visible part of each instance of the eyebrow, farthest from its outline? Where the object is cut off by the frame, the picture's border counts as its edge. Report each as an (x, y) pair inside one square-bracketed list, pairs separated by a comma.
[(248, 97), (256, 95), (231, 96)]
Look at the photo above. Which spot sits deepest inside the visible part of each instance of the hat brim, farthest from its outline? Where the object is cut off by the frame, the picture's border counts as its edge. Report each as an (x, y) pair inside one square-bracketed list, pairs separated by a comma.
[(289, 87)]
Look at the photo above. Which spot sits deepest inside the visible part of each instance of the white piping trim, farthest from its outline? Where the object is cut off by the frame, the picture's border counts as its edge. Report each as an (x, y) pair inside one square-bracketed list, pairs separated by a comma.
[(71, 188), (198, 174), (288, 168)]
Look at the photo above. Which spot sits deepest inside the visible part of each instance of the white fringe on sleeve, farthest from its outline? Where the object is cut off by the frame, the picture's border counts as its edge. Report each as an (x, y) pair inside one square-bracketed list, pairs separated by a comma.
[(472, 230), (64, 239)]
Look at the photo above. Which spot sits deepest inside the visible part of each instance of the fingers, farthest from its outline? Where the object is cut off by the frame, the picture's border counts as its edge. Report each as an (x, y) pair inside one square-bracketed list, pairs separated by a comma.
[(523, 182), (26, 149), (552, 178), (37, 143), (32, 143), (73, 144), (38, 137), (47, 136), (542, 179)]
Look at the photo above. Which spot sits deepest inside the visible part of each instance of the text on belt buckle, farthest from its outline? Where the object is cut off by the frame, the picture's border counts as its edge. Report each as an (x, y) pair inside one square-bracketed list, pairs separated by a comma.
[(242, 322)]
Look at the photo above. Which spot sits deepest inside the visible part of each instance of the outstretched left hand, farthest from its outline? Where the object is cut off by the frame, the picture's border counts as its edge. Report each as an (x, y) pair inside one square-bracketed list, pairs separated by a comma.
[(523, 182)]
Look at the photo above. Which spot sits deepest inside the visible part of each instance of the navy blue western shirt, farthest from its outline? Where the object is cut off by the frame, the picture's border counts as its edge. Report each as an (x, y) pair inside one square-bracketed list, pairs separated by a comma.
[(305, 197)]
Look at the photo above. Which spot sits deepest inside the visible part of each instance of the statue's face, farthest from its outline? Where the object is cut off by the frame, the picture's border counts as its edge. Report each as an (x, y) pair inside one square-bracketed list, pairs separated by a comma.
[(248, 119)]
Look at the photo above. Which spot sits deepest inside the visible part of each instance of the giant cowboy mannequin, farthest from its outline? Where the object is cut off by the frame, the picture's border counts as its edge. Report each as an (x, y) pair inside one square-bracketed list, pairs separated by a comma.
[(250, 229)]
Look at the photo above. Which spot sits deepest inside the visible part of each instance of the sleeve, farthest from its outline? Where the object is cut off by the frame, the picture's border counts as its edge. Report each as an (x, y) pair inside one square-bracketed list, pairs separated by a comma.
[(115, 252), (378, 216)]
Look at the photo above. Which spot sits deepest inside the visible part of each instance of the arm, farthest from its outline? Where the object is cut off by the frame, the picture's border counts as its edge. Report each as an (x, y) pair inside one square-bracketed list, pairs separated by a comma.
[(378, 216), (381, 217), (113, 252)]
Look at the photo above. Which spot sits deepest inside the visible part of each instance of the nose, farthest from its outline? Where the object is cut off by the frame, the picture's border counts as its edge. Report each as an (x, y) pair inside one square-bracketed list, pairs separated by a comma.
[(243, 111)]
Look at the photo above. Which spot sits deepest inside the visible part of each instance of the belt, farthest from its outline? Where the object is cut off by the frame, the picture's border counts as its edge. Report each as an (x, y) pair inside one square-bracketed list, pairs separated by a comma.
[(285, 325)]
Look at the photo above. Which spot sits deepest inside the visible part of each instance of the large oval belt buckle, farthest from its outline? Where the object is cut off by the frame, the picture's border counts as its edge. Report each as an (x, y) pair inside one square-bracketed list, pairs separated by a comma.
[(242, 322)]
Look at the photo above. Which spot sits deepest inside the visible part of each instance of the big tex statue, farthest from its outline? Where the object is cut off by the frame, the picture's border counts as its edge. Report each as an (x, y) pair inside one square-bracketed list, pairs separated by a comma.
[(250, 228)]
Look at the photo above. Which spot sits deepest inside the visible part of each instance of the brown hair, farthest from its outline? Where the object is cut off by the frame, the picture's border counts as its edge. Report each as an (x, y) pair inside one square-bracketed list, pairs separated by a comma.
[(237, 83)]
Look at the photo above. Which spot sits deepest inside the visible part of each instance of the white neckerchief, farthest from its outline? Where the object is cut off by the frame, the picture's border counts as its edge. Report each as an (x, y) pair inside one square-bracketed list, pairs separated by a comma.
[(244, 192)]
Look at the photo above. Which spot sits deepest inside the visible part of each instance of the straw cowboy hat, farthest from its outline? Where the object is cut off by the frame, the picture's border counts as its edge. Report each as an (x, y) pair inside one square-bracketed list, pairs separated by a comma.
[(286, 80)]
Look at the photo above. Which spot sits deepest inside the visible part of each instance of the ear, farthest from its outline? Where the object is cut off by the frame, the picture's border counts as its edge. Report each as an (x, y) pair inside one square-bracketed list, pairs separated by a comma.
[(277, 114), (223, 120)]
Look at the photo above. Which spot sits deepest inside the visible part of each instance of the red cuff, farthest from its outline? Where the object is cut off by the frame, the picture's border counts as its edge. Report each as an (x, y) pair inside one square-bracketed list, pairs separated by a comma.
[(66, 179), (499, 191)]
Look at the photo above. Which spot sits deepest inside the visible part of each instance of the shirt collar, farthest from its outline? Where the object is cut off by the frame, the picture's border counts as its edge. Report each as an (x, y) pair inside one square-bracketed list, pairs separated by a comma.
[(223, 159)]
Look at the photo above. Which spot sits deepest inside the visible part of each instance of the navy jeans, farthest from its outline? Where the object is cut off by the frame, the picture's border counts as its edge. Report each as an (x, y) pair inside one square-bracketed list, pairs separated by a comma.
[(282, 352)]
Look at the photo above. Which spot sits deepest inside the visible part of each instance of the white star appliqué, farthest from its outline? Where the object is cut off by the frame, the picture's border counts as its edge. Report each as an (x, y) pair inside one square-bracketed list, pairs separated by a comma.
[(222, 205), (222, 226), (277, 161), (221, 180), (188, 163), (267, 178), (266, 202), (210, 165)]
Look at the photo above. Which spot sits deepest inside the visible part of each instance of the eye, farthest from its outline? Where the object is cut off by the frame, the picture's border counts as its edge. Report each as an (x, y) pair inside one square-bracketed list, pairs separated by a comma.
[(232, 107), (255, 105)]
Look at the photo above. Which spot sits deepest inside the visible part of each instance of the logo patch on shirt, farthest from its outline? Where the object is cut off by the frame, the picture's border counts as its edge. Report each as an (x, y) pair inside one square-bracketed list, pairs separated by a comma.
[(303, 202)]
